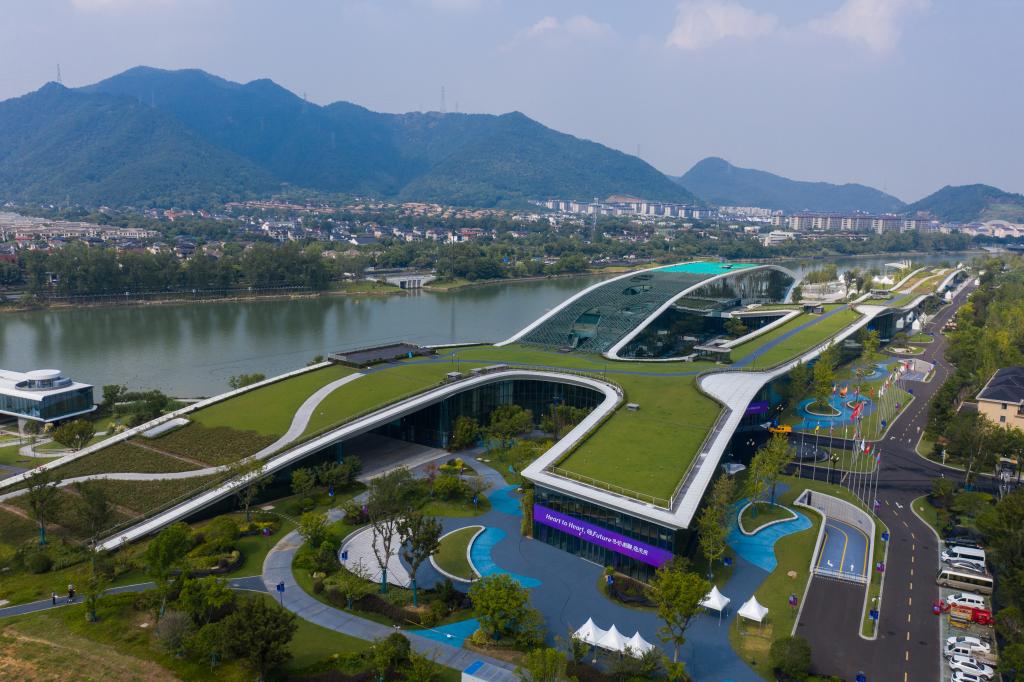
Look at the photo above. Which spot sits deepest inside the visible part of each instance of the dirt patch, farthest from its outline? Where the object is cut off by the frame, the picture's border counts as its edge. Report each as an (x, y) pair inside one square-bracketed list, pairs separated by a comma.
[(30, 657)]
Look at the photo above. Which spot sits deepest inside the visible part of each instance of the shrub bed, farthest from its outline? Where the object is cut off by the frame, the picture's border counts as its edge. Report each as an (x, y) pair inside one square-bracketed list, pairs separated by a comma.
[(214, 446)]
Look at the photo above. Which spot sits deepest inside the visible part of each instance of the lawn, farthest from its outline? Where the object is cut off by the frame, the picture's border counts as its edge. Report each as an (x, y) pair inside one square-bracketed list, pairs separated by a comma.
[(9, 456), (376, 390), (60, 644), (659, 440), (452, 554), (927, 511), (269, 410), (800, 342), (761, 514), (123, 457), (922, 338)]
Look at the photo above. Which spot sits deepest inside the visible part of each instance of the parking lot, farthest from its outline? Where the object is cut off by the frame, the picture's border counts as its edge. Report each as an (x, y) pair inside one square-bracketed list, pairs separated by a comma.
[(955, 628)]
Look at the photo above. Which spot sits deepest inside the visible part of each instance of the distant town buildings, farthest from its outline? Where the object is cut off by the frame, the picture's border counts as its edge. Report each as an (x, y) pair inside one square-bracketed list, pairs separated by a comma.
[(17, 227), (628, 206), (853, 222)]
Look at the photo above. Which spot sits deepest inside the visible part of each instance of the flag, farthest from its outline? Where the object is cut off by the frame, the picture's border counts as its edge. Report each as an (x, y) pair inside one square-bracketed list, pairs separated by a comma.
[(817, 427), (867, 448), (878, 457), (834, 388)]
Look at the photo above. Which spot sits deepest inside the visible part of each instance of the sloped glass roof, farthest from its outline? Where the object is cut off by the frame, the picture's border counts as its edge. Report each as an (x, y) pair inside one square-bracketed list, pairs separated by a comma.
[(595, 321)]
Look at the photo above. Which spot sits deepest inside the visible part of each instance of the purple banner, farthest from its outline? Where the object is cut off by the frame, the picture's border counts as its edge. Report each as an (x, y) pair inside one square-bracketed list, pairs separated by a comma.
[(641, 551), (757, 407)]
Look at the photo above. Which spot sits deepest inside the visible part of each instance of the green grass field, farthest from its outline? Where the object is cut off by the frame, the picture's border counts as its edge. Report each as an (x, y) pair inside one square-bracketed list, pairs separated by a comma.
[(269, 410), (451, 556), (799, 342), (658, 441), (376, 390)]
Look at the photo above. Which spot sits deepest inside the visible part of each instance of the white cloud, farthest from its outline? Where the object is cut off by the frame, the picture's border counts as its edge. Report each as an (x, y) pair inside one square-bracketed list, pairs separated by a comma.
[(545, 25), (554, 30), (873, 23), (700, 23)]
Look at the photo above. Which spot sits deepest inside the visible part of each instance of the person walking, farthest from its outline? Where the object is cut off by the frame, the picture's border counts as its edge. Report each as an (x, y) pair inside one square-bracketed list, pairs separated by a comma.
[(71, 593), (53, 598)]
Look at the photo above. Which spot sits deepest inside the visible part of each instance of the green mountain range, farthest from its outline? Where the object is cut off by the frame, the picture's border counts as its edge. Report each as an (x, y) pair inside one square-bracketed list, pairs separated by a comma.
[(159, 138), (719, 182), (968, 203)]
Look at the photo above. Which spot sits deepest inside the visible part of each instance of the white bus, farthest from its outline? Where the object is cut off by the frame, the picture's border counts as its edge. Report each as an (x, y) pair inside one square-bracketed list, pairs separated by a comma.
[(959, 579)]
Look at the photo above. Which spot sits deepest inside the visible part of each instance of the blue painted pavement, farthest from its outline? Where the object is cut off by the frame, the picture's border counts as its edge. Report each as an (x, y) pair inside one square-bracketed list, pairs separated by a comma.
[(759, 549), (453, 634), (481, 556)]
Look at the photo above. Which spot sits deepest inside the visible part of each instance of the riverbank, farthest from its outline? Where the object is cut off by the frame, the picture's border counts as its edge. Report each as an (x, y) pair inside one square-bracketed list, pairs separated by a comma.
[(459, 284), (360, 288)]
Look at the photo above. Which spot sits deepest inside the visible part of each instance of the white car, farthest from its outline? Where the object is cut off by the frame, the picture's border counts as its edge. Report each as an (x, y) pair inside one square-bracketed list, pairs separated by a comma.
[(975, 601), (972, 643), (968, 664), (961, 676)]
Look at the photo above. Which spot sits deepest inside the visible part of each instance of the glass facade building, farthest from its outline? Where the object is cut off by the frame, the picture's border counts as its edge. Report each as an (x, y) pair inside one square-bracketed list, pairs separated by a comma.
[(433, 425), (43, 395), (645, 531)]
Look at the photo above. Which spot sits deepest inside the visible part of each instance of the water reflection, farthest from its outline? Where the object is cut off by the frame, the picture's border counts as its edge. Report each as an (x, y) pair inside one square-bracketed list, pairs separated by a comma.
[(192, 349)]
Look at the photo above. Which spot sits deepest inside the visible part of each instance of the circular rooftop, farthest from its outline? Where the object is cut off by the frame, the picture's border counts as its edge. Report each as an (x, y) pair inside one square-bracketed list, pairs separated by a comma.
[(43, 374)]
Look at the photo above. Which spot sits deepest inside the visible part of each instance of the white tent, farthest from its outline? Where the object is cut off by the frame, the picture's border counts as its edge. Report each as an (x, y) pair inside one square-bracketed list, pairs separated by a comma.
[(612, 640), (752, 610), (715, 600), (589, 632), (638, 645)]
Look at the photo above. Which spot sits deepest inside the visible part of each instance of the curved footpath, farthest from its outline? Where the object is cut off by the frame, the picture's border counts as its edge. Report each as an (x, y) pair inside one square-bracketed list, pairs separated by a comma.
[(564, 588), (299, 423)]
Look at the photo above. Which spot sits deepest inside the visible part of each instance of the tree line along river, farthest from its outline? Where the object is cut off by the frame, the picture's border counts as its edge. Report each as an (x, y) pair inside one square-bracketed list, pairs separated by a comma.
[(192, 349)]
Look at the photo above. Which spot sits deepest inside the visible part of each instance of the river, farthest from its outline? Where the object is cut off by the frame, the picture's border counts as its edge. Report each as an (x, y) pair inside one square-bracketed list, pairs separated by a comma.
[(192, 349)]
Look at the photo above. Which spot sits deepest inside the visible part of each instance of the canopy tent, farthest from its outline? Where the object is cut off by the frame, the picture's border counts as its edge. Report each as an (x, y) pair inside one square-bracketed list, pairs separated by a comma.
[(638, 645), (589, 632), (752, 610), (612, 640), (715, 600)]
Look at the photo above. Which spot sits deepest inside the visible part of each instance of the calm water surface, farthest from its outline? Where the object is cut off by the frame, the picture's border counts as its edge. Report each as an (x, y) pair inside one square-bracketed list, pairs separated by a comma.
[(192, 349)]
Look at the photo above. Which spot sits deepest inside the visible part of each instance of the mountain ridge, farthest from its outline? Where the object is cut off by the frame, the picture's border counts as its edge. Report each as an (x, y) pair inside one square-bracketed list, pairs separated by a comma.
[(719, 182), (257, 136)]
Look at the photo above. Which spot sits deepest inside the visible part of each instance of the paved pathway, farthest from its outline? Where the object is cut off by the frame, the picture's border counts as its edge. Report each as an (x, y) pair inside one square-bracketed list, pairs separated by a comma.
[(277, 568), (250, 583)]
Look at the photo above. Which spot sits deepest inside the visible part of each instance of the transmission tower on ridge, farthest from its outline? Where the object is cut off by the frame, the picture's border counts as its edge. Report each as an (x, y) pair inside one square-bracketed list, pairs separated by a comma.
[(59, 79), (442, 101)]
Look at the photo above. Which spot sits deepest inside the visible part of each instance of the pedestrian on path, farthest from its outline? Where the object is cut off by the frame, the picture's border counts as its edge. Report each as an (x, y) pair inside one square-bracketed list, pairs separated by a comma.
[(71, 593), (53, 598)]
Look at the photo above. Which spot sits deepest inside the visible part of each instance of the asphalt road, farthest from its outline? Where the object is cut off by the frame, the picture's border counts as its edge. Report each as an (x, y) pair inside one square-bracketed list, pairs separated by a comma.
[(907, 647)]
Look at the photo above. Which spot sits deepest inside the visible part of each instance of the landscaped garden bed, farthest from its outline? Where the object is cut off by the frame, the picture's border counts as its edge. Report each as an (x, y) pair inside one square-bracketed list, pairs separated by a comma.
[(452, 556), (757, 515)]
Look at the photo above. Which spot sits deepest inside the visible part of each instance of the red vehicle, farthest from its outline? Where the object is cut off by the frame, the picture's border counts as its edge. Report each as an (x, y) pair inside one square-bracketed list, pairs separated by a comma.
[(961, 616)]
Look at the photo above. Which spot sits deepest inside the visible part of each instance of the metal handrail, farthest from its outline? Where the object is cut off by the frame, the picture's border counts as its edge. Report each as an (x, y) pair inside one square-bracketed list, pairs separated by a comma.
[(610, 487)]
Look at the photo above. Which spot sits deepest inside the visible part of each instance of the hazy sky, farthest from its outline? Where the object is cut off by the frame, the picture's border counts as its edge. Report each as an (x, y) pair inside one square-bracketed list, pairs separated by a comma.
[(906, 95)]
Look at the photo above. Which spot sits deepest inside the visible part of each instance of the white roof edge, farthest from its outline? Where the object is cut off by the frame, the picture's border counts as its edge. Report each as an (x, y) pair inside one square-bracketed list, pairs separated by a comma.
[(613, 352), (370, 421)]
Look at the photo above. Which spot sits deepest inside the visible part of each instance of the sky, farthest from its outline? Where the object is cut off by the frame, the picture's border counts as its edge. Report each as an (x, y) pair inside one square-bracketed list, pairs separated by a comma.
[(903, 95)]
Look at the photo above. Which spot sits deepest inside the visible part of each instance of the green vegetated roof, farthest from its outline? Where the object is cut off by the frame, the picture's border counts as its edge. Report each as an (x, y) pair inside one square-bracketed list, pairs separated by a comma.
[(597, 320)]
